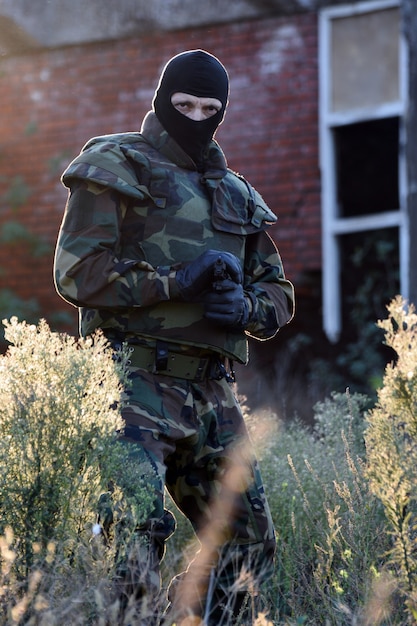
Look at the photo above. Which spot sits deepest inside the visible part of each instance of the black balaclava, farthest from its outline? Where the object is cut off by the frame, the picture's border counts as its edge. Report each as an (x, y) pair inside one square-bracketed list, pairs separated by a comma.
[(200, 74)]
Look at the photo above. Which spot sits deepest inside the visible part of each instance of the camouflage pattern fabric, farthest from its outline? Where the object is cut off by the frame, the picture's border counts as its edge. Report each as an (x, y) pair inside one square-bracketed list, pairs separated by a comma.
[(193, 434), (122, 240)]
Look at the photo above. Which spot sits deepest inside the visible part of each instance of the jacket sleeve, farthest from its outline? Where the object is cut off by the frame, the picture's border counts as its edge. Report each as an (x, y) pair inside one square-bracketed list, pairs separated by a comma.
[(271, 294), (87, 268)]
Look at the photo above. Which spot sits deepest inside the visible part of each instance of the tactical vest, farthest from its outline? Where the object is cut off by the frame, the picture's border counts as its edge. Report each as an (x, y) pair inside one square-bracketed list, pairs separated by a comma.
[(173, 214)]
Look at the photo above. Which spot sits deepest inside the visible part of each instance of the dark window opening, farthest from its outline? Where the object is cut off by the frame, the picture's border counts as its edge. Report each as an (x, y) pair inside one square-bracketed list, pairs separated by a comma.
[(367, 167), (370, 272)]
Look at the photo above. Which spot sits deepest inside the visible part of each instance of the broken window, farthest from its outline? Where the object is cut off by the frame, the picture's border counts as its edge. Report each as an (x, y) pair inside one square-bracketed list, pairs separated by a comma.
[(369, 276), (366, 156), (362, 103)]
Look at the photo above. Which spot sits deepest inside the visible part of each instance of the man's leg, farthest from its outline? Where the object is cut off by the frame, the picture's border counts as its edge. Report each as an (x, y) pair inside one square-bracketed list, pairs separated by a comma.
[(155, 417), (139, 543), (158, 417), (218, 487)]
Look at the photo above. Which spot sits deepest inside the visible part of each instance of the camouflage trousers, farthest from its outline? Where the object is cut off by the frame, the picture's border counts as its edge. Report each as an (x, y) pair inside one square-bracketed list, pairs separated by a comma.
[(194, 436)]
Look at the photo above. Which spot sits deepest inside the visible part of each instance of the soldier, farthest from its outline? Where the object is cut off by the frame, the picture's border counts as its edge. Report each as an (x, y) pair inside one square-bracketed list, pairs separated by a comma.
[(163, 247)]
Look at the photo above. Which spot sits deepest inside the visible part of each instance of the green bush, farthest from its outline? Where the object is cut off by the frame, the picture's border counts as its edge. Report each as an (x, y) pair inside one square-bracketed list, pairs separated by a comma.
[(330, 528), (342, 493), (343, 499), (59, 452)]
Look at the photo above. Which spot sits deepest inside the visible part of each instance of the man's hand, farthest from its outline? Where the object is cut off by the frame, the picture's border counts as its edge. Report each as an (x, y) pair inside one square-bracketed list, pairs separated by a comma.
[(229, 307), (197, 276)]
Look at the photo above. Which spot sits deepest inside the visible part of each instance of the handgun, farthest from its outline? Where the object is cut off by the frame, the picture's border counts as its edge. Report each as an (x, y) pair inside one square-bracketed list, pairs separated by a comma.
[(219, 274)]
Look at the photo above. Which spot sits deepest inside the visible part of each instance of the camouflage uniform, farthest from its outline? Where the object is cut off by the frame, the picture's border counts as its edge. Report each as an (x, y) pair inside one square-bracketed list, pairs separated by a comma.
[(137, 211)]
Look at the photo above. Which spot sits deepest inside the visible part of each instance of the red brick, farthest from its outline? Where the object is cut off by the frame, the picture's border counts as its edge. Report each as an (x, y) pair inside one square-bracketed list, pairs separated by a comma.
[(65, 96)]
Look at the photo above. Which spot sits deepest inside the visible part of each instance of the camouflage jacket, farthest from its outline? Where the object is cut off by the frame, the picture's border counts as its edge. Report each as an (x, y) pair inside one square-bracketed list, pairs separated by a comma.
[(137, 210)]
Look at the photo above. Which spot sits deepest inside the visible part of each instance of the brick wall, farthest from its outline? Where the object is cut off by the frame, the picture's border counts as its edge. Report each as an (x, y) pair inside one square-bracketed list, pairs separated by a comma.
[(52, 102)]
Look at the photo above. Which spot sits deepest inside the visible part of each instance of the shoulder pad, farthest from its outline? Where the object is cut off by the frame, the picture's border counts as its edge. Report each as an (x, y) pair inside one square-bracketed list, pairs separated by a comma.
[(261, 214), (115, 138), (104, 160)]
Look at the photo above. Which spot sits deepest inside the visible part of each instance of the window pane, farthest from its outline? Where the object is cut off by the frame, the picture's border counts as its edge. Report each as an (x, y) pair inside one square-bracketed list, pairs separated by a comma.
[(365, 60), (369, 275), (367, 167)]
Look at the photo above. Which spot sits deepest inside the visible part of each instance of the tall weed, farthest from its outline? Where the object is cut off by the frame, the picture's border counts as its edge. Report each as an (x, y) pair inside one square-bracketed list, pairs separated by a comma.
[(330, 528), (391, 440), (342, 493)]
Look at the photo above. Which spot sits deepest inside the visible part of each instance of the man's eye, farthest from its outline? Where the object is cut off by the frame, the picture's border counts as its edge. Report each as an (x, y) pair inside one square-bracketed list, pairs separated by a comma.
[(211, 110)]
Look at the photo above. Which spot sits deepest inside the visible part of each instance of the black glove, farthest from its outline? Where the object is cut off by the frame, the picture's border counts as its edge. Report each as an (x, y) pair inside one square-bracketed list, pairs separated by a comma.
[(197, 276), (229, 307)]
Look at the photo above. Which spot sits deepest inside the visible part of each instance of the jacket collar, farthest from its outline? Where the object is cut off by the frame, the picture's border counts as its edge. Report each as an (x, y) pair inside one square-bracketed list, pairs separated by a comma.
[(155, 134)]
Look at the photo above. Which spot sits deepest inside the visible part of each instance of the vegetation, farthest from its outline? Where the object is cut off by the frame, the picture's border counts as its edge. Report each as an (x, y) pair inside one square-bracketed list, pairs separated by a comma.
[(392, 451), (342, 493), (15, 235), (60, 457)]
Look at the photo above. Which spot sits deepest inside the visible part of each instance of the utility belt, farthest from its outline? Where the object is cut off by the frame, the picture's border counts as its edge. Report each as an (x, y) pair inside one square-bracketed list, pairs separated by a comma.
[(195, 366)]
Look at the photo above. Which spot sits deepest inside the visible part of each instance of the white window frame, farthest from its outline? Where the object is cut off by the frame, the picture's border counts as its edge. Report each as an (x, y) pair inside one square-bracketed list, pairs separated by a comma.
[(332, 225)]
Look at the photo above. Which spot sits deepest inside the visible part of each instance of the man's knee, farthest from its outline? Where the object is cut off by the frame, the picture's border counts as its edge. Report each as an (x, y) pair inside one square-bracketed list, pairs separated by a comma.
[(246, 565)]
